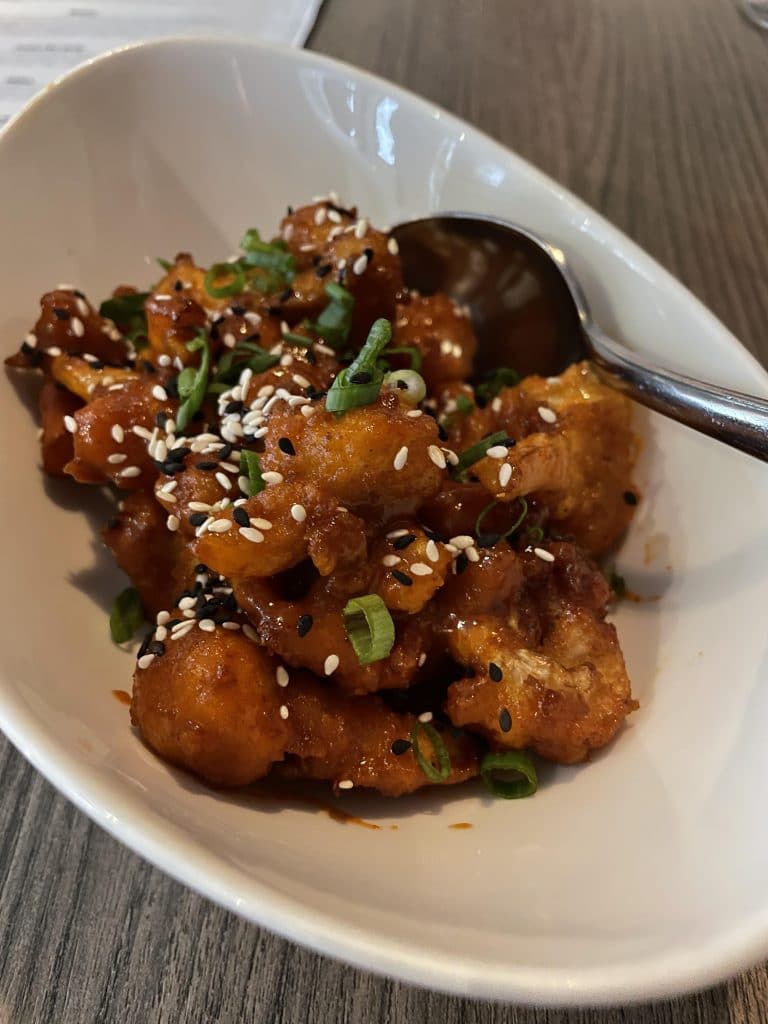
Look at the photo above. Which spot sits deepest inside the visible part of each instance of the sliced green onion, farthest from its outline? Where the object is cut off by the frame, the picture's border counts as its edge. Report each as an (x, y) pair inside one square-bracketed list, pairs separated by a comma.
[(534, 534), (370, 628), (495, 766), (126, 615), (165, 264), (409, 385), (270, 256), (334, 323), (251, 467), (123, 308), (435, 773), (297, 339), (194, 383), (406, 350), (502, 377), (489, 539), (345, 393), (476, 452), (235, 276), (464, 405)]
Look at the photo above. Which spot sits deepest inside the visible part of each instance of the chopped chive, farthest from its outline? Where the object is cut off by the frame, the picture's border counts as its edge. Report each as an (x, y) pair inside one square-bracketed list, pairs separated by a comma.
[(194, 383), (344, 395), (495, 769), (476, 452), (487, 540), (233, 275), (406, 350), (126, 615), (370, 628), (440, 771), (251, 467)]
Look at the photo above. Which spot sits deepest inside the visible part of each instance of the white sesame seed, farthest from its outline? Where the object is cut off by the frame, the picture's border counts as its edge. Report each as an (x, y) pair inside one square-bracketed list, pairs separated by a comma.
[(393, 247), (82, 307), (505, 474), (71, 424), (548, 415), (288, 232), (331, 664), (307, 411), (141, 432), (250, 534), (224, 480), (432, 553), (425, 716), (421, 569), (170, 486), (360, 264), (220, 526), (231, 625), (301, 381), (306, 247), (159, 393), (253, 318), (77, 326), (283, 711), (117, 433), (162, 297), (189, 614), (244, 484), (360, 228), (172, 522), (446, 346), (160, 450), (145, 660), (250, 632), (282, 675), (207, 625), (452, 457), (320, 214), (422, 658), (324, 350), (414, 414), (394, 534), (346, 784), (116, 458), (183, 628), (544, 555), (498, 451), (199, 506), (164, 360), (271, 477), (286, 360), (187, 602), (462, 542), (130, 471), (472, 554), (436, 456), (496, 404), (299, 513), (162, 618), (54, 351), (389, 560), (401, 458)]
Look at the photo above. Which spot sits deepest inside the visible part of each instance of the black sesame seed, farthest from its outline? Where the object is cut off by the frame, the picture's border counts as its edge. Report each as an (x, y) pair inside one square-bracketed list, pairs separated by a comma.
[(508, 442), (433, 535), (78, 293), (197, 518), (231, 407), (172, 387), (342, 275), (304, 624), (170, 468), (218, 321), (224, 452), (442, 433), (402, 385), (368, 253), (145, 644), (161, 419), (461, 563), (487, 540), (401, 747), (241, 516), (362, 377), (60, 314), (201, 568), (253, 337), (214, 332), (238, 310), (178, 454), (399, 543), (630, 497), (290, 210), (505, 720), (206, 466), (156, 647), (178, 286), (495, 672), (285, 294), (286, 445), (316, 259), (146, 366), (310, 357), (274, 310), (323, 270), (401, 577)]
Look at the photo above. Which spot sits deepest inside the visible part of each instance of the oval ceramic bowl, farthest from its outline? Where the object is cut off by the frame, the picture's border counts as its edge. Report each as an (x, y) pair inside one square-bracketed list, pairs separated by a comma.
[(638, 875)]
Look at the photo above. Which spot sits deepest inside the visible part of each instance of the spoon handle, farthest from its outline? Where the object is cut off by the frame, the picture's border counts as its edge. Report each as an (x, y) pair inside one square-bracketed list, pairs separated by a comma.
[(732, 417)]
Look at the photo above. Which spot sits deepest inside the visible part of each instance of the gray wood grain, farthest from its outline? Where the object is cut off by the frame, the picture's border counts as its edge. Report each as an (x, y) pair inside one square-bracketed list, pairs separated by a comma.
[(655, 112)]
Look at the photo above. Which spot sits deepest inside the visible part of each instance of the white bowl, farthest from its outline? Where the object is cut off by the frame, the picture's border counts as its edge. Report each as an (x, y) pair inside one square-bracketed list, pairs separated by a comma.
[(638, 875)]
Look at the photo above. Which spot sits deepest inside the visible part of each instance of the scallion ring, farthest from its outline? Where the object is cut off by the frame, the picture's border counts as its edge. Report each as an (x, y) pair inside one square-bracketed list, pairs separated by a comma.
[(406, 350), (251, 467), (489, 539), (126, 615), (235, 283), (476, 452), (495, 766), (408, 384), (442, 770), (370, 628), (345, 393), (194, 383)]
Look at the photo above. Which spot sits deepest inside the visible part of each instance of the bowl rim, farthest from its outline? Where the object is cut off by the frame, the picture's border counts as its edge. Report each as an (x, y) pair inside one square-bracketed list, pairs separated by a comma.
[(128, 820)]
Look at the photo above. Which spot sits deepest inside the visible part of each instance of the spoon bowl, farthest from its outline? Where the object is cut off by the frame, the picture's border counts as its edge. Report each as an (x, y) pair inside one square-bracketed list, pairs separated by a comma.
[(530, 313)]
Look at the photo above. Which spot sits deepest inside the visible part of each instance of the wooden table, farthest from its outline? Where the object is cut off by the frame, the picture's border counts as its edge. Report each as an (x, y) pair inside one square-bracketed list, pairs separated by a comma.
[(656, 113)]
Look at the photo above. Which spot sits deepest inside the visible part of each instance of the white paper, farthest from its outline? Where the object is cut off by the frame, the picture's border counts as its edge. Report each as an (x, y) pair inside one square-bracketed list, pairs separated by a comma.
[(42, 39)]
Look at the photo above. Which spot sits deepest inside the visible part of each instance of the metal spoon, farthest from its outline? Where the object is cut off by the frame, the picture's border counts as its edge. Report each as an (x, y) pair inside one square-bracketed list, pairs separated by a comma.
[(530, 313)]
